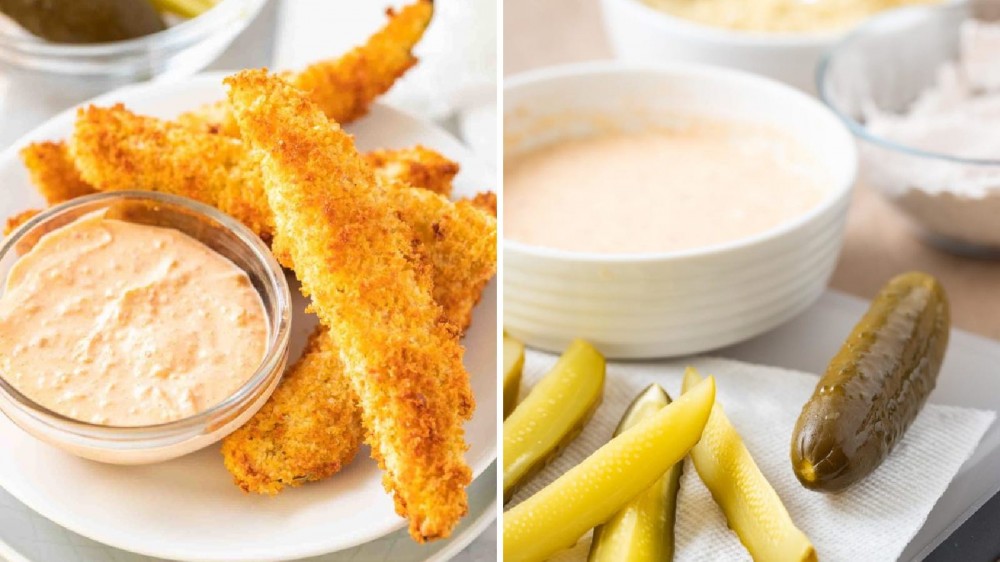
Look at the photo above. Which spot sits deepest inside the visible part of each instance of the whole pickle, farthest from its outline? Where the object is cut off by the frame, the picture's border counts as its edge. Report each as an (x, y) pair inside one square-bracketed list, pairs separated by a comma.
[(84, 21), (874, 387)]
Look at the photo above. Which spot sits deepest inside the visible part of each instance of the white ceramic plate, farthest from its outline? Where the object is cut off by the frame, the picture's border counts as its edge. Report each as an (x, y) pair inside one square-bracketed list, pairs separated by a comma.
[(188, 508), (26, 536)]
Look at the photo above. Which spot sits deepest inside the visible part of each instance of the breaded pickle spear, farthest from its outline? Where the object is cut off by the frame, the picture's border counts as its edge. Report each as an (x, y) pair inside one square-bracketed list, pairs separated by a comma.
[(643, 531), (752, 507), (552, 415), (597, 488), (513, 363), (875, 385)]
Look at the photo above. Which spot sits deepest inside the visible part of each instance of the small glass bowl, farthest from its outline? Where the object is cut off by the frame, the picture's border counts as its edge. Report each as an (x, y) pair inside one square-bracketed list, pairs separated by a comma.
[(885, 65), (189, 45), (57, 75), (155, 443)]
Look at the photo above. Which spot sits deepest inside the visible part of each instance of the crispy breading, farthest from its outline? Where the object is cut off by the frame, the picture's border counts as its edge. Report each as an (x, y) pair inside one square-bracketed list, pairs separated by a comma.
[(115, 149), (309, 429), (344, 87), (418, 166), (463, 247), (487, 201), (213, 118), (19, 219), (355, 257), (53, 172)]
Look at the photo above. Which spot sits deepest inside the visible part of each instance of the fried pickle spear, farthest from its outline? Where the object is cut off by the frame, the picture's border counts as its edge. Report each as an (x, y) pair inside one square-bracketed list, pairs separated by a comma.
[(53, 173), (355, 258), (345, 87), (308, 430), (417, 166), (18, 219), (115, 149)]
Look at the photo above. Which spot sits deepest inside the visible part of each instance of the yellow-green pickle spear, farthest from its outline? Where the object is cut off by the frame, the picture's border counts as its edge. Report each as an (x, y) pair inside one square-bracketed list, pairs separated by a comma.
[(600, 486), (513, 363), (552, 415), (752, 507), (643, 531)]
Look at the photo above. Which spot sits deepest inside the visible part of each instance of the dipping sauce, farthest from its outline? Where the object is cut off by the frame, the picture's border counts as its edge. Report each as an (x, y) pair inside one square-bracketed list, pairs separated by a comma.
[(780, 15), (703, 183), (117, 323)]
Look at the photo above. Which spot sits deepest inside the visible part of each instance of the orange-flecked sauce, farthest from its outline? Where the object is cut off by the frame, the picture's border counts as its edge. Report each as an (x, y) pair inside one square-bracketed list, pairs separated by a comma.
[(123, 324)]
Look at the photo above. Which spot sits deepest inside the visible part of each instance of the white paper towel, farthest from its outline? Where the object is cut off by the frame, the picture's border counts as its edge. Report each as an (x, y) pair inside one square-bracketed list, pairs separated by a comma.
[(872, 521)]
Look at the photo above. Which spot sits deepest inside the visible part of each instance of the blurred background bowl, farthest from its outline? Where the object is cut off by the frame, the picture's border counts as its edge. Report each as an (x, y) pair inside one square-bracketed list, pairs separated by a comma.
[(641, 33), (884, 66), (638, 32), (677, 303), (37, 73)]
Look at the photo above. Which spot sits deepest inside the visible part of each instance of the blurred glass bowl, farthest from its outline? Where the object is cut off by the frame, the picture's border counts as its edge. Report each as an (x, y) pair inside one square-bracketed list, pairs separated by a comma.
[(884, 66), (38, 78), (184, 48)]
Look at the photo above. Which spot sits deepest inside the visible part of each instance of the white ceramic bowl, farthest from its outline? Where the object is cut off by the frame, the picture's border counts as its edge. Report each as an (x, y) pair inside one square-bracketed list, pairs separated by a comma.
[(641, 33), (677, 303)]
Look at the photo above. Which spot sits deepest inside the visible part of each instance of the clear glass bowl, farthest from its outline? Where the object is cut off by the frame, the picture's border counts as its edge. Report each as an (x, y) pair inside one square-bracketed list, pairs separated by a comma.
[(184, 48), (36, 73), (154, 443), (885, 65)]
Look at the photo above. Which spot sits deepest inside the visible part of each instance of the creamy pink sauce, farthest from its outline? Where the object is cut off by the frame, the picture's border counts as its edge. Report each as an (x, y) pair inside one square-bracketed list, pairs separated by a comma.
[(123, 324), (705, 183)]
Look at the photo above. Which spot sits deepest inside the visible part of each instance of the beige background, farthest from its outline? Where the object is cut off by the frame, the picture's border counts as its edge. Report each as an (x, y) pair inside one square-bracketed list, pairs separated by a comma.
[(880, 243)]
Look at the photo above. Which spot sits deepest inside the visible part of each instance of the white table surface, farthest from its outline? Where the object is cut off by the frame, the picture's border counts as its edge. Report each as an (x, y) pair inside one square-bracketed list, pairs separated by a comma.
[(254, 48)]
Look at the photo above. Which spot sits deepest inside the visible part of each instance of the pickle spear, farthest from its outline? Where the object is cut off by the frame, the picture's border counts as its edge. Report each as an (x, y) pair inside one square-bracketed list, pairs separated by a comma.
[(513, 363), (643, 531), (84, 21), (874, 387), (752, 507), (552, 415), (597, 488)]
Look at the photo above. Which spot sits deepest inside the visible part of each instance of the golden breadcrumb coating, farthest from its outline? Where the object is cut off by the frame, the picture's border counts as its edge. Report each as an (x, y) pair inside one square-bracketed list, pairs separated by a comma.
[(460, 244), (213, 118), (344, 87), (356, 259), (19, 219), (309, 429), (487, 201), (53, 172), (417, 166), (115, 149)]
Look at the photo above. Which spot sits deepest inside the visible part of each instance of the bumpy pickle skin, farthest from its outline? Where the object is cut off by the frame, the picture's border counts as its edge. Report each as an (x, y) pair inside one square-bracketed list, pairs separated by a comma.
[(751, 506), (874, 387), (552, 415), (513, 364), (643, 531), (600, 486)]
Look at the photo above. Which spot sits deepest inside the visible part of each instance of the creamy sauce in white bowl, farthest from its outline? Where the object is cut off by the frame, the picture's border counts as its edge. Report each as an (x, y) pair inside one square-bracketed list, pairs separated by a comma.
[(702, 183)]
